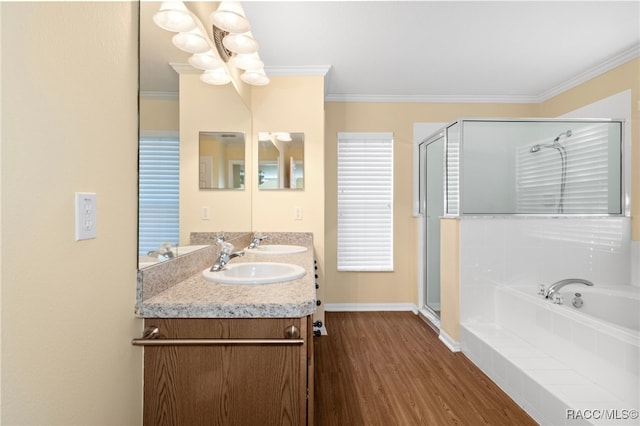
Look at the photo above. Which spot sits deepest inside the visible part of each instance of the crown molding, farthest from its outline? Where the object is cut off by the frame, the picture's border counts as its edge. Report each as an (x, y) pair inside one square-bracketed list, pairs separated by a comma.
[(289, 71), (615, 61), (182, 68), (444, 99)]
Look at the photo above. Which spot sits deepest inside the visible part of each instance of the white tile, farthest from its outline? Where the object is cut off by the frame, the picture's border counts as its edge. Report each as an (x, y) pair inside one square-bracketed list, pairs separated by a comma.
[(583, 396), (540, 363), (555, 377), (611, 349), (562, 326), (532, 392), (515, 383), (553, 409), (583, 336)]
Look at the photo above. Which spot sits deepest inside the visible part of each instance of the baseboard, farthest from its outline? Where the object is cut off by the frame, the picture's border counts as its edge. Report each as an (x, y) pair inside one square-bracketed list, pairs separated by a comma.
[(363, 307), (453, 345)]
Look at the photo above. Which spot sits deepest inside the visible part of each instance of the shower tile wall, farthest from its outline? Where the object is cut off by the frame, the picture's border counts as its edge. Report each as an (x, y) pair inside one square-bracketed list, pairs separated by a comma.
[(530, 251)]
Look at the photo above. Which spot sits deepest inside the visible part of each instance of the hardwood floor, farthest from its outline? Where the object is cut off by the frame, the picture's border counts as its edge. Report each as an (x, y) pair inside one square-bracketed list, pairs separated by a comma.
[(389, 368)]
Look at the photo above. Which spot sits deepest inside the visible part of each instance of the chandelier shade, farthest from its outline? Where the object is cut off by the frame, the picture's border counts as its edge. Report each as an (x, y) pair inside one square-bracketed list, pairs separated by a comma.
[(191, 41), (174, 16), (255, 77), (230, 17), (240, 43)]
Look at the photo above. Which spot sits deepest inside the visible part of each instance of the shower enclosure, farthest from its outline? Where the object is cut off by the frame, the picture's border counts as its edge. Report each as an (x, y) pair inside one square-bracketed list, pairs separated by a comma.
[(528, 167)]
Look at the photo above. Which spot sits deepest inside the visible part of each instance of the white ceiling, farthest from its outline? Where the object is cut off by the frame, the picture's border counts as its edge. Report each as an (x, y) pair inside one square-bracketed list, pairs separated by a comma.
[(518, 51)]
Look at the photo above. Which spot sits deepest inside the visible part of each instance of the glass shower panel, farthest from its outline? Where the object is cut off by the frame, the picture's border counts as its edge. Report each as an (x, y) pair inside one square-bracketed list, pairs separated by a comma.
[(541, 167), (434, 173)]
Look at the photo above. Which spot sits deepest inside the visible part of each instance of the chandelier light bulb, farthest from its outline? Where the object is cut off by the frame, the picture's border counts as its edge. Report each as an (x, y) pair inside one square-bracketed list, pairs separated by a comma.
[(192, 42), (216, 77), (247, 62), (205, 61), (174, 16), (230, 17), (240, 43), (255, 77)]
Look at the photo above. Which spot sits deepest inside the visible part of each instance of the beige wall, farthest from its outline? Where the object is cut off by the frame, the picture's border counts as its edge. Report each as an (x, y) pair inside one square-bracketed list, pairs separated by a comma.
[(207, 108), (450, 277), (159, 115), (293, 104), (69, 108)]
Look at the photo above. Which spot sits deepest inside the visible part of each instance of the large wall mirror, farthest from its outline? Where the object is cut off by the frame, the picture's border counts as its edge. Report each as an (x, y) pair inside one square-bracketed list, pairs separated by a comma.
[(176, 105), (221, 160), (280, 160)]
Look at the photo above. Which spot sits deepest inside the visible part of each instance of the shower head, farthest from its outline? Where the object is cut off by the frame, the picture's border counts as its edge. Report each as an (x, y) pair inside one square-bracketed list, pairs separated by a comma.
[(567, 134), (555, 143)]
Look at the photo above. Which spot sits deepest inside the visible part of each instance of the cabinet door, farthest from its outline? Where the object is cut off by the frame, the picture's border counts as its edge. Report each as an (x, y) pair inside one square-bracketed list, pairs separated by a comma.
[(226, 384)]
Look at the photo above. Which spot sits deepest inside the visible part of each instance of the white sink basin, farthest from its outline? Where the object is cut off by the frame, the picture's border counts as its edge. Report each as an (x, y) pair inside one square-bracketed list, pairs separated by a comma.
[(277, 249), (252, 273)]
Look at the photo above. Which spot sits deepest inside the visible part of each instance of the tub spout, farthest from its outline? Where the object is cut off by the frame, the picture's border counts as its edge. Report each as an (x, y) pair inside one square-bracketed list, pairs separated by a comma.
[(553, 288)]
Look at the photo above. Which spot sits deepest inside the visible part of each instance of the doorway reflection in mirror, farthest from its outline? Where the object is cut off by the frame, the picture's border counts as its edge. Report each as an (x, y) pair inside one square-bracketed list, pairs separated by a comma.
[(221, 159), (280, 160)]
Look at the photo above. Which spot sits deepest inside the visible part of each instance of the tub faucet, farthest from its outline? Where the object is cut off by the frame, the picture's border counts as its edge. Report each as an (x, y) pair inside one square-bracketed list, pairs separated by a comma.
[(225, 256), (257, 238), (553, 288)]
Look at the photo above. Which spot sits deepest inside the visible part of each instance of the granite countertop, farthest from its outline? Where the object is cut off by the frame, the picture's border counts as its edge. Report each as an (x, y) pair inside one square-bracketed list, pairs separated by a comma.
[(196, 297)]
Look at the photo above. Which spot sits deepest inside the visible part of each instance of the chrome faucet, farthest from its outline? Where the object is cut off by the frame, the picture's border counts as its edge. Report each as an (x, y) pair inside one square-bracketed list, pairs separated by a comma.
[(551, 292), (225, 256), (163, 252), (257, 238)]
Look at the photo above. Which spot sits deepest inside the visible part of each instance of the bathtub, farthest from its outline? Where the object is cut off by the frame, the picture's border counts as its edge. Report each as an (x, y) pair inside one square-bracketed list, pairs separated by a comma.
[(552, 359), (617, 306)]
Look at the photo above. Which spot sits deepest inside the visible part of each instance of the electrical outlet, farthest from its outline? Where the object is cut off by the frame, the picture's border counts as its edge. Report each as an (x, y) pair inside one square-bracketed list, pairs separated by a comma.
[(297, 213), (85, 216)]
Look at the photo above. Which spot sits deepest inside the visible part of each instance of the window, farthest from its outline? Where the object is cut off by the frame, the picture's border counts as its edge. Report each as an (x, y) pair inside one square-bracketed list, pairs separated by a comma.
[(365, 202), (159, 192)]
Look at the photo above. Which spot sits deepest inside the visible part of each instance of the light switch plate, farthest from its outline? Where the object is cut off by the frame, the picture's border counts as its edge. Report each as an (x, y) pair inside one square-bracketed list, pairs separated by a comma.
[(85, 216)]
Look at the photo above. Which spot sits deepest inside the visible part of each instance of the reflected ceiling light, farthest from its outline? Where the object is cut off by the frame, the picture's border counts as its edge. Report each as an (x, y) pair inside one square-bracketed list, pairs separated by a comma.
[(255, 77), (205, 61), (283, 137), (240, 43), (264, 136), (216, 77), (192, 41), (174, 16), (230, 17), (247, 62)]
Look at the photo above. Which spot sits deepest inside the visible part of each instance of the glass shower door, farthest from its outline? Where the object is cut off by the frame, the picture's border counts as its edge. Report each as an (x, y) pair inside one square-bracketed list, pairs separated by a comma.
[(432, 163)]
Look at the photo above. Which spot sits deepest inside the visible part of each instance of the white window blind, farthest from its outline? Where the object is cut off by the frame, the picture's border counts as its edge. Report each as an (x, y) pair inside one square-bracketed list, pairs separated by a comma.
[(452, 180), (365, 202), (159, 193)]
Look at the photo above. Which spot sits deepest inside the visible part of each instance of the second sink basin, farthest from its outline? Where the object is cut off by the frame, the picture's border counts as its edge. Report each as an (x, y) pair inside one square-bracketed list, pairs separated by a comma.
[(252, 273), (277, 249)]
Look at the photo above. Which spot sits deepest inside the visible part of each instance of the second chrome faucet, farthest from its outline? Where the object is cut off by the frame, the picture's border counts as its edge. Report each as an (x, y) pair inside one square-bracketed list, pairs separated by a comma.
[(226, 254)]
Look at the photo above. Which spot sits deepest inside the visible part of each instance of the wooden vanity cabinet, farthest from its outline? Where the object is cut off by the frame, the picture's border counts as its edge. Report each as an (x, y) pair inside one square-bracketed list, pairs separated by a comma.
[(229, 383)]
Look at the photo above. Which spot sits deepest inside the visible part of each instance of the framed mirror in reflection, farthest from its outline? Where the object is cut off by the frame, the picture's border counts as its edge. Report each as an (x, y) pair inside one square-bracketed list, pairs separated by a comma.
[(221, 160), (280, 160)]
